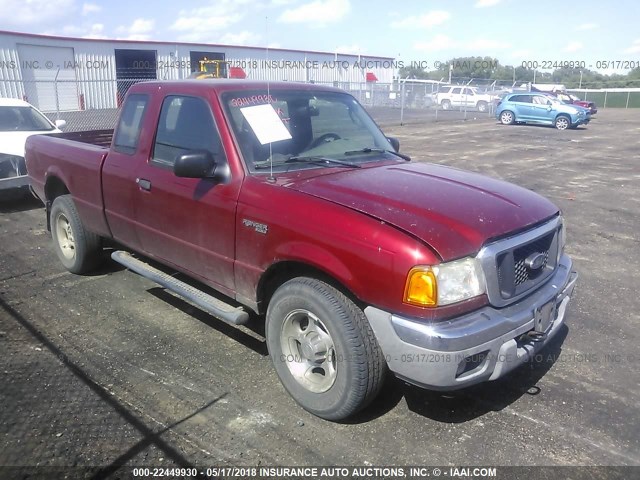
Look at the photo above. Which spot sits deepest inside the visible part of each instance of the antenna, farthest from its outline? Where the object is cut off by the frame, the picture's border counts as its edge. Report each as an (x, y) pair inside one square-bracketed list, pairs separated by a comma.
[(266, 28)]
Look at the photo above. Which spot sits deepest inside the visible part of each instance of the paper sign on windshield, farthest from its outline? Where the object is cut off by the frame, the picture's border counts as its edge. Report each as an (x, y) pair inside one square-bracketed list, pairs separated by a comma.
[(265, 123)]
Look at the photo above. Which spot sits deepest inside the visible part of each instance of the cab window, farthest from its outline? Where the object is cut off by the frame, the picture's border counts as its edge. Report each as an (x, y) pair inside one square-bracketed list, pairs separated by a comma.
[(186, 123), (125, 139)]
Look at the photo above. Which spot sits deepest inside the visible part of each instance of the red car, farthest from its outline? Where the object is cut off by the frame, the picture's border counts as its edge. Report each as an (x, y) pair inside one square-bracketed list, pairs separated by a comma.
[(570, 98), (289, 201)]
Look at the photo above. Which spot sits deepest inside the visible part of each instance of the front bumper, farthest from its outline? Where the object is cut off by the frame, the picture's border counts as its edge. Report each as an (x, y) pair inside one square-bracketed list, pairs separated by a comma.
[(483, 345)]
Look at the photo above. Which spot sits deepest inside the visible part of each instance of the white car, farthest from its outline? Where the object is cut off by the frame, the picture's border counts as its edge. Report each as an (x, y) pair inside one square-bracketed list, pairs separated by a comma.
[(19, 120), (450, 96)]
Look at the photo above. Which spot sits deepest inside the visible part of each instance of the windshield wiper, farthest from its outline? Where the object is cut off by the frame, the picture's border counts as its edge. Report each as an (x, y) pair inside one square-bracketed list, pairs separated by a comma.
[(378, 150), (316, 159)]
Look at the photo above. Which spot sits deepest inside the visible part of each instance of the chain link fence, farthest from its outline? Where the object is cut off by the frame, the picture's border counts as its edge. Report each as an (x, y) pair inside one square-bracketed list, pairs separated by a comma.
[(94, 104)]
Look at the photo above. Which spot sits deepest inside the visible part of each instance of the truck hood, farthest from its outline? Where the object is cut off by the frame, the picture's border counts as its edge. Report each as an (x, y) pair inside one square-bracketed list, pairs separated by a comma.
[(453, 211), (12, 143)]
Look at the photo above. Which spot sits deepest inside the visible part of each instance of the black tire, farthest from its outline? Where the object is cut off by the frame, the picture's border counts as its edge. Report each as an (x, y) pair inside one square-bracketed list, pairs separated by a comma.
[(446, 105), (354, 369), (562, 122), (78, 249), (507, 117), (482, 106)]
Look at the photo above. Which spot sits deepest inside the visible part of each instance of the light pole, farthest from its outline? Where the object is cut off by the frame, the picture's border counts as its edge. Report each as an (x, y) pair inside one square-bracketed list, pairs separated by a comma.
[(580, 84)]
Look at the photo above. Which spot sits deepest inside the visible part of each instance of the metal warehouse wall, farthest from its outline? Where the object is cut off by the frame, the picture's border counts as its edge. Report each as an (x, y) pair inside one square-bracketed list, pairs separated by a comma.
[(89, 78)]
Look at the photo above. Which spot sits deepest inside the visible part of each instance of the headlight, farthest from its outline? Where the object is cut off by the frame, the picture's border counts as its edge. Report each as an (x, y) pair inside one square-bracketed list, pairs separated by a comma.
[(438, 285)]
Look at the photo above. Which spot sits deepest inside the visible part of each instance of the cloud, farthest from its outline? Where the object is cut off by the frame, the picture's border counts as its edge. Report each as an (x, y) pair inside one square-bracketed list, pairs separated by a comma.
[(353, 49), (203, 24), (634, 48), (317, 13), (520, 54), (95, 30), (487, 44), (487, 3), (437, 43), (241, 38), (586, 26), (573, 47), (89, 8), (21, 13), (426, 20), (477, 46), (140, 29)]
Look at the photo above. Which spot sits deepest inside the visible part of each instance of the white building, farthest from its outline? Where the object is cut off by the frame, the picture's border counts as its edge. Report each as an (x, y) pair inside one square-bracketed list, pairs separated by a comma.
[(67, 74)]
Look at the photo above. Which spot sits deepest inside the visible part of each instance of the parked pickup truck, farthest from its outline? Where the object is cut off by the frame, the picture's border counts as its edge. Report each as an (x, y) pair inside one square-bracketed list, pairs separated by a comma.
[(289, 202)]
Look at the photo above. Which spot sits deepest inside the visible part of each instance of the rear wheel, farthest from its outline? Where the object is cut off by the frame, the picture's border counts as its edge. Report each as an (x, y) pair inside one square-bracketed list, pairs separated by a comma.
[(323, 349), (482, 106), (562, 122), (77, 248), (507, 117)]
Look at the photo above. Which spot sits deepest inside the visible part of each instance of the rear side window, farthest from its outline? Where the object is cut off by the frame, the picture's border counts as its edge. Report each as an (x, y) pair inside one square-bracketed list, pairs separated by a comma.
[(521, 98), (127, 134), (185, 124), (456, 91)]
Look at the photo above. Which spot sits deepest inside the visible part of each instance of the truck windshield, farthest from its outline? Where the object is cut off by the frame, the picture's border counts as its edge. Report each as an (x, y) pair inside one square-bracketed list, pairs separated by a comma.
[(26, 119), (293, 129)]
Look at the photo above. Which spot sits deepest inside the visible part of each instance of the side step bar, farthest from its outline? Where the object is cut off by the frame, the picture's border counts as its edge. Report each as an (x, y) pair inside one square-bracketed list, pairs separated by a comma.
[(218, 308)]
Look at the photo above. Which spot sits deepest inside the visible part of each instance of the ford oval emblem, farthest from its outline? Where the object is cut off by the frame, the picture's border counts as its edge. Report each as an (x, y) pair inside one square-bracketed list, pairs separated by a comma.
[(534, 261)]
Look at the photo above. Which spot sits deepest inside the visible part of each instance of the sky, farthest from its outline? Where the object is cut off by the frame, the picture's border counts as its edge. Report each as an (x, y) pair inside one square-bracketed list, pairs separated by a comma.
[(512, 31)]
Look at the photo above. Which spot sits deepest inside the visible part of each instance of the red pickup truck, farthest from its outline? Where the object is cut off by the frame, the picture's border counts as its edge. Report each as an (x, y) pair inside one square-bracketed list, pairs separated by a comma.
[(289, 201)]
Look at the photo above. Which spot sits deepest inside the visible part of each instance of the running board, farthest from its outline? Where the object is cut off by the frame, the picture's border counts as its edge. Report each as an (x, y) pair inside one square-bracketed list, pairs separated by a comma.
[(218, 308)]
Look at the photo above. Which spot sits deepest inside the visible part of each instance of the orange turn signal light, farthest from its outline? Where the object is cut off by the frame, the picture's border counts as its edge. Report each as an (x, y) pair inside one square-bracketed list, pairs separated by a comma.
[(421, 288)]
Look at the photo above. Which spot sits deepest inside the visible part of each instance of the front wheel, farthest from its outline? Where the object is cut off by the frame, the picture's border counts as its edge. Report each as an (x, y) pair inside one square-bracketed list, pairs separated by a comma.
[(323, 349), (507, 118), (562, 122), (446, 105), (77, 248)]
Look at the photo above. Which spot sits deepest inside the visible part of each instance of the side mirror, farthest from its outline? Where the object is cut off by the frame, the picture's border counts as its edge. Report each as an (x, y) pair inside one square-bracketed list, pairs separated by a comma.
[(395, 143), (195, 164), (549, 102), (60, 124)]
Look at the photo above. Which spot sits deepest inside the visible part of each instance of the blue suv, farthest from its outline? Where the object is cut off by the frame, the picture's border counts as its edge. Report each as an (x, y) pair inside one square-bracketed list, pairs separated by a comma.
[(530, 107)]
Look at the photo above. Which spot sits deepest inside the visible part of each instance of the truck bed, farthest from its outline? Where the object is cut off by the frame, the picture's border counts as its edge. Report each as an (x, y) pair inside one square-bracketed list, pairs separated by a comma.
[(74, 160), (100, 138)]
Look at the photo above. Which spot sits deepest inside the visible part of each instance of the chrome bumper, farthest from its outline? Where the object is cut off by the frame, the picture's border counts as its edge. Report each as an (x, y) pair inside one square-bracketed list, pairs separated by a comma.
[(483, 345)]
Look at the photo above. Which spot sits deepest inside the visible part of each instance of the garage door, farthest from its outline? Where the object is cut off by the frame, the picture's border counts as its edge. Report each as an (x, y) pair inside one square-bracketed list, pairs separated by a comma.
[(40, 65)]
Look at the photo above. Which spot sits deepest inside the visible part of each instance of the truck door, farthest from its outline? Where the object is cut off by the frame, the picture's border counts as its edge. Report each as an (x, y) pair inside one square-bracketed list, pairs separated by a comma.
[(187, 222), (119, 170)]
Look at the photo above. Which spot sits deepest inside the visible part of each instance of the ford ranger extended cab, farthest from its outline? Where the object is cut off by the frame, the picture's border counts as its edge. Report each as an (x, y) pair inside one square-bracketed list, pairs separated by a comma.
[(285, 203)]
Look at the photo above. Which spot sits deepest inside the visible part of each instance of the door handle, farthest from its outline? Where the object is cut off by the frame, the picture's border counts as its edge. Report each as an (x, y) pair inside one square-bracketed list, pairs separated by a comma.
[(143, 184)]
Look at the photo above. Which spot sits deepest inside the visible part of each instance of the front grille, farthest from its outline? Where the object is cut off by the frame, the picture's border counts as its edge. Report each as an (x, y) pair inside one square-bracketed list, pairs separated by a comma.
[(521, 272), (514, 276), (516, 265)]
